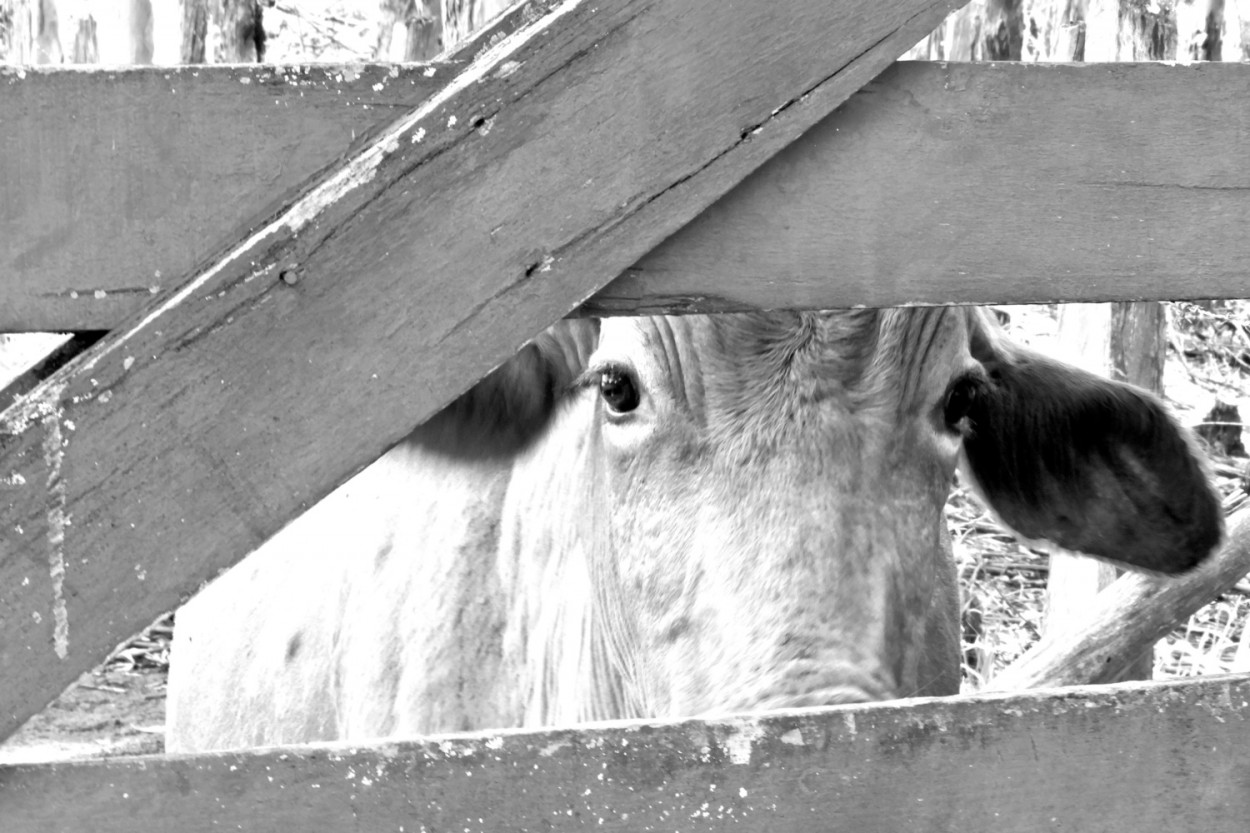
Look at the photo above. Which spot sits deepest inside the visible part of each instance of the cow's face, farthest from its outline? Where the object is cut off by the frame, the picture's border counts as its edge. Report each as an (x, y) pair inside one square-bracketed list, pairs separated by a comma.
[(776, 485), (679, 516)]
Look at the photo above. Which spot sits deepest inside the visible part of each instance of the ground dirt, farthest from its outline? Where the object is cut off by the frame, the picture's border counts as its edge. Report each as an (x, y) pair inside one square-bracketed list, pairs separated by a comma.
[(106, 712)]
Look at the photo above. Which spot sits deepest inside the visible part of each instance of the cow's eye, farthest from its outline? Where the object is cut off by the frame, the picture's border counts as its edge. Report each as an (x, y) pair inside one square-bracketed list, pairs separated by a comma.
[(960, 397), (619, 390)]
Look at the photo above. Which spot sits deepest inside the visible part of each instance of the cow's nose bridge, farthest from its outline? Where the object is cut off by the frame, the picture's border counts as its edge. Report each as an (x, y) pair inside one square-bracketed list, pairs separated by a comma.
[(843, 696), (854, 622), (809, 603)]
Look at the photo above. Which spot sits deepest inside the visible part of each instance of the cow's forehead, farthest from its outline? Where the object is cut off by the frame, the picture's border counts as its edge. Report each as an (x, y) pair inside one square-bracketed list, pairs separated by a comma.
[(743, 364), (919, 351)]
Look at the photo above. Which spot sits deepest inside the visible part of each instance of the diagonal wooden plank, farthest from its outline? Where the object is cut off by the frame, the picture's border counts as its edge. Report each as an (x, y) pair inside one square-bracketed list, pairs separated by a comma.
[(296, 356), (1109, 758)]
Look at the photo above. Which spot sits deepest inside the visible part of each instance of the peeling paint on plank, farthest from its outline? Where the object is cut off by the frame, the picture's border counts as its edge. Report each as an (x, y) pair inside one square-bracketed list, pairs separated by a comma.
[(740, 740), (31, 409), (54, 455)]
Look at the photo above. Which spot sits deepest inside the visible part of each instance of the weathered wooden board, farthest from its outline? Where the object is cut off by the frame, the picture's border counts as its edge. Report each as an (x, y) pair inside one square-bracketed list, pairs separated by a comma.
[(115, 183), (1114, 758), (983, 183), (987, 183), (292, 359)]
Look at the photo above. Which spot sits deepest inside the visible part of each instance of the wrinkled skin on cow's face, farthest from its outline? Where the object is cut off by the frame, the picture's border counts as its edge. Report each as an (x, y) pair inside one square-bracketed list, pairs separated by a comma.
[(663, 517), (760, 510), (778, 537)]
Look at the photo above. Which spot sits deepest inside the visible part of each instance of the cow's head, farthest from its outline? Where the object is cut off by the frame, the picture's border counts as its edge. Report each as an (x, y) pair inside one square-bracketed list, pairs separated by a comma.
[(758, 500)]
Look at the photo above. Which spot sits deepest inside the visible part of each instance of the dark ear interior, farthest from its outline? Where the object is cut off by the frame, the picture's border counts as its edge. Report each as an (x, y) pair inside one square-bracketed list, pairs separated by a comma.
[(511, 406), (1092, 465)]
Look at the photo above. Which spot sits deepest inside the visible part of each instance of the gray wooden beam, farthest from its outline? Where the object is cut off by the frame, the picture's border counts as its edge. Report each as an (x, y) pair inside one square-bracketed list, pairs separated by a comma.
[(969, 183), (1120, 759)]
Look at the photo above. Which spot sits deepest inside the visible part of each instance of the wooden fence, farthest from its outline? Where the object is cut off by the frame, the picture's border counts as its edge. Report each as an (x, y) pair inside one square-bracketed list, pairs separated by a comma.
[(961, 183), (362, 244), (1109, 758)]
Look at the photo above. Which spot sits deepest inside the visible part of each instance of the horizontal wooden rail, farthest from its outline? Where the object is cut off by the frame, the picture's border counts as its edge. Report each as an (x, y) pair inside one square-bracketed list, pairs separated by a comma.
[(1123, 758), (116, 183), (982, 183), (937, 183)]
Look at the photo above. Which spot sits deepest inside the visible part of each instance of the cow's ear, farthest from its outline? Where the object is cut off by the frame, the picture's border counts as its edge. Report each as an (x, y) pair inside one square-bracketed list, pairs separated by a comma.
[(1092, 465), (514, 403)]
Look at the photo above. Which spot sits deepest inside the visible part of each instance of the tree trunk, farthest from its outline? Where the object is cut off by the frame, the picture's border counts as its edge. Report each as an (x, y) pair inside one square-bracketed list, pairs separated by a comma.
[(1138, 343), (421, 25), (76, 32), (141, 32), (222, 32), (194, 32), (425, 33)]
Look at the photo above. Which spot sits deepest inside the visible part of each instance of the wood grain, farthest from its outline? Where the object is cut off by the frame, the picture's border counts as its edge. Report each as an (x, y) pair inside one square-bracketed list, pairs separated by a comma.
[(121, 181), (296, 355), (982, 183), (968, 183), (1117, 759), (1128, 617)]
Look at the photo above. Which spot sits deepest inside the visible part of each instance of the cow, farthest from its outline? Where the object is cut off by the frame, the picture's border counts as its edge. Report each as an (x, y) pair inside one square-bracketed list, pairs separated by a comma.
[(679, 516)]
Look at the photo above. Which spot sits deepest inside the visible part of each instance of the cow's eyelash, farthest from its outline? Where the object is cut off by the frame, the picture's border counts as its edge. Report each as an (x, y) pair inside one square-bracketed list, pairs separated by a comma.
[(585, 379), (589, 378)]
